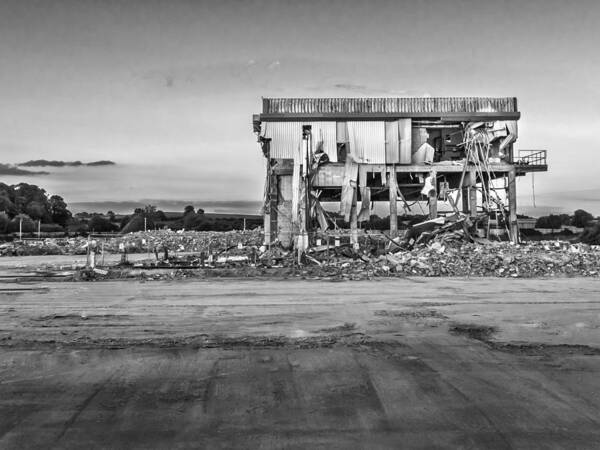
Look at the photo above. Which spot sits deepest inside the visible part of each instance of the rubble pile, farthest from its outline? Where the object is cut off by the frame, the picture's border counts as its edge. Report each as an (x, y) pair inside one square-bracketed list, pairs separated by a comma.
[(499, 259), (241, 254), (140, 242)]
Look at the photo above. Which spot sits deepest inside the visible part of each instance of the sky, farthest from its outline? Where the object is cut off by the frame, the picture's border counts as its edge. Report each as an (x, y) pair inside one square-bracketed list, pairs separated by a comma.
[(172, 85)]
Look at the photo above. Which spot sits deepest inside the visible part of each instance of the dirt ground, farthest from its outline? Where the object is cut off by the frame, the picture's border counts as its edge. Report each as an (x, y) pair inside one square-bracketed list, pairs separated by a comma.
[(403, 363)]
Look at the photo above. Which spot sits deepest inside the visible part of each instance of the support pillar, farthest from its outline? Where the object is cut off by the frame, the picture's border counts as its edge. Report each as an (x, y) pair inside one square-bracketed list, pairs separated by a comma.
[(512, 206), (464, 198), (354, 221), (473, 193), (393, 188), (272, 210), (433, 196)]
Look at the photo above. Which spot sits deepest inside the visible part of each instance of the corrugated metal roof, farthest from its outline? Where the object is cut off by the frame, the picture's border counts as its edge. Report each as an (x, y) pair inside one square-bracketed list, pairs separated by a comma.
[(389, 105)]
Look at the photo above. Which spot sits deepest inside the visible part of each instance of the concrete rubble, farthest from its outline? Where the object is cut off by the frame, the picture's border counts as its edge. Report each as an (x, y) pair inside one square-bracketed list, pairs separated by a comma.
[(241, 254)]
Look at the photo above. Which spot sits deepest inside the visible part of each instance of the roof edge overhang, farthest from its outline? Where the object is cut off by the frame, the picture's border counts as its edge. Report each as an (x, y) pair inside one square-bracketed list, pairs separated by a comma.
[(447, 116)]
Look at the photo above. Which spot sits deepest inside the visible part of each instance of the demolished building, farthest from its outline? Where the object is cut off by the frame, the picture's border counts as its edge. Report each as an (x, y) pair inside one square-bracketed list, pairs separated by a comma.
[(456, 151)]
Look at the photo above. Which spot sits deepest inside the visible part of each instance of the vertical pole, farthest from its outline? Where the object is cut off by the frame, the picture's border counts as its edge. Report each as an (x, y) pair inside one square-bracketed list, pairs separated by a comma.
[(512, 206), (145, 225), (20, 228), (393, 188), (433, 196), (39, 229)]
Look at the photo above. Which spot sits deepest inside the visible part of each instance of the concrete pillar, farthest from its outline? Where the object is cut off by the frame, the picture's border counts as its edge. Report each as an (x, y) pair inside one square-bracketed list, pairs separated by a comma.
[(433, 196), (512, 206), (354, 220), (283, 208), (473, 193), (464, 198), (270, 220), (393, 188)]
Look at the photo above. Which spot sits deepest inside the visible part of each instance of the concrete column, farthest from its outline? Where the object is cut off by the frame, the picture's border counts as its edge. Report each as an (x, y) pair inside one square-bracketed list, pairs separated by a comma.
[(464, 198), (354, 220), (433, 196), (473, 193), (512, 206), (393, 188)]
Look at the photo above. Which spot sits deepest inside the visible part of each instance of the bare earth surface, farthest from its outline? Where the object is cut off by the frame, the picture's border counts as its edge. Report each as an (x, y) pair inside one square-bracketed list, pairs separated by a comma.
[(404, 363)]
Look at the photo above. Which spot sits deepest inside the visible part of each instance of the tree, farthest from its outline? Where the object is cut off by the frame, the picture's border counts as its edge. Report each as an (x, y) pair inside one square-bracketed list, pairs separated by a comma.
[(4, 220), (101, 225), (136, 223), (59, 212), (591, 235), (111, 216), (192, 220), (187, 210), (552, 221), (27, 225), (581, 218)]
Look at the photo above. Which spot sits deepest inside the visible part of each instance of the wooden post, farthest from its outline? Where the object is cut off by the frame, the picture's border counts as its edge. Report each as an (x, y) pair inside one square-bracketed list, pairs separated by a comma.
[(393, 188), (512, 206), (433, 196)]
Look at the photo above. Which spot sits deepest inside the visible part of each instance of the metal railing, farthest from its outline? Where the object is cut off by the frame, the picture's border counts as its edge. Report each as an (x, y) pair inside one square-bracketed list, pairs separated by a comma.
[(531, 158)]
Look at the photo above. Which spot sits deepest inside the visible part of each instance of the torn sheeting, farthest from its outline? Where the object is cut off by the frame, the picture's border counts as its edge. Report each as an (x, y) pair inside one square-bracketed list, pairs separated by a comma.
[(429, 186), (324, 135), (318, 211), (365, 206), (419, 136), (348, 187), (342, 132), (367, 141), (424, 155)]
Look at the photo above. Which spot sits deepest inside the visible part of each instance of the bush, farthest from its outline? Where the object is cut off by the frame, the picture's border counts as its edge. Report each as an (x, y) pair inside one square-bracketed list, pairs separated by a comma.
[(77, 227), (51, 228), (591, 235)]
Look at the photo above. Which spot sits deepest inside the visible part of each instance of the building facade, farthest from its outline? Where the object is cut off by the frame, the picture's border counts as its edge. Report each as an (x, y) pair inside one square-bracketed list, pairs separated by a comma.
[(404, 151)]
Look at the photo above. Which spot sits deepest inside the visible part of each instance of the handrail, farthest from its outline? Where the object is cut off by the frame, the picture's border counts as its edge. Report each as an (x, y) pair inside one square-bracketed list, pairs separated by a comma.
[(531, 158)]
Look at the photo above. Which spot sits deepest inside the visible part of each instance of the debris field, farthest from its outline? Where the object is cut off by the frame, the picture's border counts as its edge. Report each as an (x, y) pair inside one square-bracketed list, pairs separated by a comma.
[(173, 255)]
